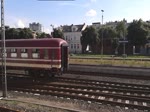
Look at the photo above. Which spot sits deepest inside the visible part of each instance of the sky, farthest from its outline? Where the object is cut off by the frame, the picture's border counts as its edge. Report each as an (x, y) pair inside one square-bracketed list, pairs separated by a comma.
[(19, 13)]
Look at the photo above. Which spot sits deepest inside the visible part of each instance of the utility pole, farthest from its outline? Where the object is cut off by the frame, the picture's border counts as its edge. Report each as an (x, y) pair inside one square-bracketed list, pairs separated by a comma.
[(3, 52), (124, 47), (102, 34)]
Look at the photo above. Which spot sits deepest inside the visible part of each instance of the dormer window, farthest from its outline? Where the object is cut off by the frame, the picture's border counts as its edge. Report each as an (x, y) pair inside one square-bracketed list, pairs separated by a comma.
[(74, 28)]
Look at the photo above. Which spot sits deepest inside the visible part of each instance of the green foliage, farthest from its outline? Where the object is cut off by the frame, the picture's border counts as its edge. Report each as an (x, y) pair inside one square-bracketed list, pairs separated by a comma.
[(18, 33), (138, 32), (22, 33), (121, 33), (11, 33), (25, 33), (43, 35), (121, 29), (108, 32), (89, 37), (57, 33)]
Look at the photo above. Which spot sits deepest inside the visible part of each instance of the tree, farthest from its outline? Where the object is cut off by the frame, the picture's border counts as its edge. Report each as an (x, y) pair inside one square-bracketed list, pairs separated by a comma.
[(25, 33), (138, 33), (109, 33), (121, 31), (89, 37), (18, 33), (57, 33), (12, 33), (43, 35)]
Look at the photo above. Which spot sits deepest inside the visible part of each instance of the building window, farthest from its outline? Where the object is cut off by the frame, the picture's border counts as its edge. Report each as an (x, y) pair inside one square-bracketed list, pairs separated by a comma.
[(77, 46), (71, 46), (74, 29), (74, 46)]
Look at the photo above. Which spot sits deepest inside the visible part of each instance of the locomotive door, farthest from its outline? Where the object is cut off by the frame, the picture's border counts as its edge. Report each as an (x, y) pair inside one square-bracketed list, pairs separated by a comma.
[(64, 58)]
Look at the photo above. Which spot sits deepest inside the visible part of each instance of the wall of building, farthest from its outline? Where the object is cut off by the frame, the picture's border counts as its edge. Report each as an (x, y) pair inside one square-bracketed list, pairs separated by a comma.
[(36, 27), (73, 39)]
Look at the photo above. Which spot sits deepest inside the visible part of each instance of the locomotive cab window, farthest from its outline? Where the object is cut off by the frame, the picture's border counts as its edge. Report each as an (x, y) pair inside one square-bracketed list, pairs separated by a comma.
[(35, 53), (24, 53)]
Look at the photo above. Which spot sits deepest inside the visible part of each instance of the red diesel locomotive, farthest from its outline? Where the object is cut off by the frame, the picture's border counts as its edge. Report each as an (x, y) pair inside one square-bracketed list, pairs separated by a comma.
[(37, 56)]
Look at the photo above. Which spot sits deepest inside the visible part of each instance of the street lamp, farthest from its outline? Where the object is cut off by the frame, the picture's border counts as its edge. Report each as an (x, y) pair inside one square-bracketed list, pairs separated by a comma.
[(53, 30), (102, 34), (3, 52)]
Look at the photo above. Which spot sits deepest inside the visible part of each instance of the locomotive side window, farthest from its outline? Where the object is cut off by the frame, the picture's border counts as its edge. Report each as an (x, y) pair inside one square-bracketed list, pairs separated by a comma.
[(35, 50), (45, 53), (7, 50), (13, 50), (24, 53), (13, 53), (23, 50), (35, 53), (52, 54)]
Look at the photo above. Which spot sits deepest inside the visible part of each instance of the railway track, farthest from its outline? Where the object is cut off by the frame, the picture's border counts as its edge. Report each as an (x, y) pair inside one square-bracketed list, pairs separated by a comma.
[(127, 76), (21, 74), (113, 93)]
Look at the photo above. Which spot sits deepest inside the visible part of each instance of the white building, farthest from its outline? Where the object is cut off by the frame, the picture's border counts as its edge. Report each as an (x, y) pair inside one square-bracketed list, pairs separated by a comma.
[(36, 27), (72, 35)]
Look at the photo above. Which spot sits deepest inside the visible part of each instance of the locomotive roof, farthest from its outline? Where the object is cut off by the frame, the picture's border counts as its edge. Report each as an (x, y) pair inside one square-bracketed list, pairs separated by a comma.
[(46, 42)]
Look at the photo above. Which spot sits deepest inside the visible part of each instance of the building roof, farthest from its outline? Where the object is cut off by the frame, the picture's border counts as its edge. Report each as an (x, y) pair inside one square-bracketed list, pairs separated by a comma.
[(67, 28), (96, 23)]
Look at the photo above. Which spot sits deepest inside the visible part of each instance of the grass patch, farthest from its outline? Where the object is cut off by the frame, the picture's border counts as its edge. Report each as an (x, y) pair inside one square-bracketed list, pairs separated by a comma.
[(100, 61), (109, 56)]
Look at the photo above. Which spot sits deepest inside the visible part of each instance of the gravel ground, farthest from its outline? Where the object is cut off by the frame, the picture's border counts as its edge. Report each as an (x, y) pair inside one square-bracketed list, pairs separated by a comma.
[(41, 103), (33, 103)]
